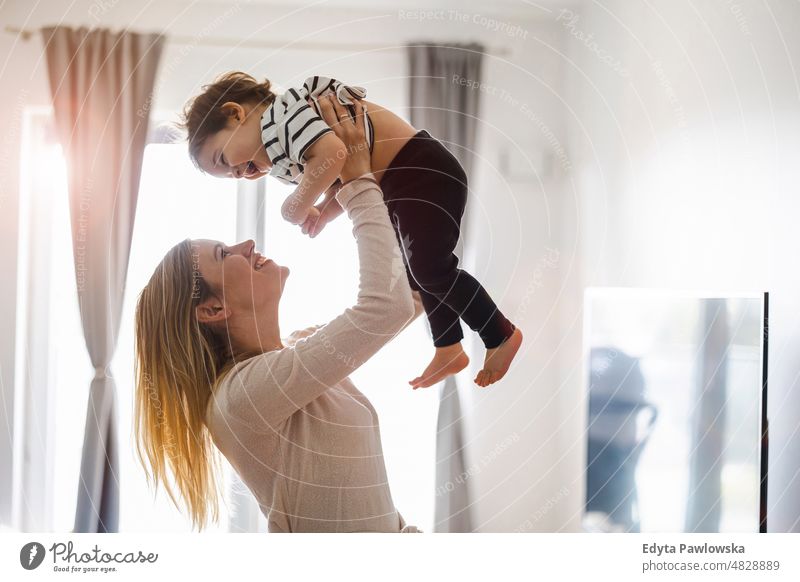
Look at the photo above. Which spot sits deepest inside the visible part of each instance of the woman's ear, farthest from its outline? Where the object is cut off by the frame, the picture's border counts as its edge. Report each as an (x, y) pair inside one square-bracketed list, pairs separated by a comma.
[(211, 311), (233, 109)]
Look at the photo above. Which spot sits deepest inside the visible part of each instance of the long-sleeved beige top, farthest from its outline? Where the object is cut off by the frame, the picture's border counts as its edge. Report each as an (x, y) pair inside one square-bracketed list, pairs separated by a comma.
[(301, 436)]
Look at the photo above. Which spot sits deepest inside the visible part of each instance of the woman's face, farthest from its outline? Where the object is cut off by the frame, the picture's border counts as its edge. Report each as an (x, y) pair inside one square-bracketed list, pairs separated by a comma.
[(242, 279)]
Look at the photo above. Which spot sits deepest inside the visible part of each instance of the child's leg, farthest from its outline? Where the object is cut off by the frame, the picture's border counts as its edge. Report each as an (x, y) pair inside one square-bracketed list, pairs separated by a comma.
[(434, 268), (445, 323), (429, 225), (449, 357)]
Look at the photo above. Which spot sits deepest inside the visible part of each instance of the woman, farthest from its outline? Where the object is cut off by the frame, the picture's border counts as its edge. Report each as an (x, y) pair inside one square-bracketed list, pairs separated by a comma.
[(212, 369)]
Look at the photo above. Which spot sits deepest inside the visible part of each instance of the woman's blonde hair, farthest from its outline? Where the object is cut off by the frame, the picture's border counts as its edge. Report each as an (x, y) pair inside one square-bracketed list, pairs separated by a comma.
[(179, 362)]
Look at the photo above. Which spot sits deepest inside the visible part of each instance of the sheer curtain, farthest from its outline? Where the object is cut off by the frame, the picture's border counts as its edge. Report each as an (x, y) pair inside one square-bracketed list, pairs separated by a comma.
[(449, 111), (101, 83)]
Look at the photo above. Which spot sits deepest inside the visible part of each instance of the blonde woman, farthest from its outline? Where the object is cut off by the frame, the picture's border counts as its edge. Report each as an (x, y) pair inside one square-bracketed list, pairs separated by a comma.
[(214, 372)]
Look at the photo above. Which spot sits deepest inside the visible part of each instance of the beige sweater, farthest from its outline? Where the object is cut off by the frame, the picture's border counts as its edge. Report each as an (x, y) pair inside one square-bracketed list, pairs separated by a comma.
[(300, 435)]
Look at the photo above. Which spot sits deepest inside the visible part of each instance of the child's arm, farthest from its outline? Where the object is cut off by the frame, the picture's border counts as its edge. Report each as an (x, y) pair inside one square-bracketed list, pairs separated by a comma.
[(324, 160)]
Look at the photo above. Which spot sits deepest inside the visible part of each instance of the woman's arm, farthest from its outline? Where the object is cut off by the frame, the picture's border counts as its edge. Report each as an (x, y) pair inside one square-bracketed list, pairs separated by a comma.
[(298, 334), (267, 389)]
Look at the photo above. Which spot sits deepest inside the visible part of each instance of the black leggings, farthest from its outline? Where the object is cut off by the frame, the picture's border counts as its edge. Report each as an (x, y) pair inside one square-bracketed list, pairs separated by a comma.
[(425, 190)]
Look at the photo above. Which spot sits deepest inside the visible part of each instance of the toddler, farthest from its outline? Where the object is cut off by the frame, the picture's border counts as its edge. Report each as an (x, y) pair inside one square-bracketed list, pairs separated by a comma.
[(238, 127)]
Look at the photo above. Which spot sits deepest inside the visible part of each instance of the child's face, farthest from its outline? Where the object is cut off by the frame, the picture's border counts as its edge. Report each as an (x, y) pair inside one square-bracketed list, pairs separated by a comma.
[(236, 150)]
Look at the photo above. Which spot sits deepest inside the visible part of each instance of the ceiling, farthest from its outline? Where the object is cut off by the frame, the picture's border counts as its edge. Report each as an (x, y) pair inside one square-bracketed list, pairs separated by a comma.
[(529, 8)]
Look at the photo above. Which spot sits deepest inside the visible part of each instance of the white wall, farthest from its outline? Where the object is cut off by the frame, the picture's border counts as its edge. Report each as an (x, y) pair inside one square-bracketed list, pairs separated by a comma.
[(686, 177), (519, 251)]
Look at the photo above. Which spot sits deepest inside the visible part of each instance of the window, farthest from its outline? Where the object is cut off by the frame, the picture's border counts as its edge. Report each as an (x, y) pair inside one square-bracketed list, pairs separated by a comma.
[(176, 201)]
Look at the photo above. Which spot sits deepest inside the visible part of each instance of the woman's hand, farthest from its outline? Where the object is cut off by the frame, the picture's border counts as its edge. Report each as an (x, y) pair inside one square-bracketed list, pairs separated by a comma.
[(353, 135)]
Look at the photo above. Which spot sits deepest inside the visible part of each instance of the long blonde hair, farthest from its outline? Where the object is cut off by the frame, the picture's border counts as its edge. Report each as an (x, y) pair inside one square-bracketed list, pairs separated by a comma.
[(179, 362)]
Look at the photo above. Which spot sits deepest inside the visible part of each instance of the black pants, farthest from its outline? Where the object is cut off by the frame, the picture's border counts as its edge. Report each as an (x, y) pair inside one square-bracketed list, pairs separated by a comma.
[(425, 190)]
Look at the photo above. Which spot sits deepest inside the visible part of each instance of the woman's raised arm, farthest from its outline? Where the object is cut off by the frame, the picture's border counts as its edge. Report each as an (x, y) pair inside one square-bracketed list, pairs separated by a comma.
[(267, 389)]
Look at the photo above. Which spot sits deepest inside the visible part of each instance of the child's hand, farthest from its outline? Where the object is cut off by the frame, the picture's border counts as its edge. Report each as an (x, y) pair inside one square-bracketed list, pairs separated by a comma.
[(309, 226), (327, 209)]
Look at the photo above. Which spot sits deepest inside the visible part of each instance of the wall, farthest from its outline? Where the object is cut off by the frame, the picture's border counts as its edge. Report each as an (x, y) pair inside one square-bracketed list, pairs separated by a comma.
[(685, 125), (517, 251)]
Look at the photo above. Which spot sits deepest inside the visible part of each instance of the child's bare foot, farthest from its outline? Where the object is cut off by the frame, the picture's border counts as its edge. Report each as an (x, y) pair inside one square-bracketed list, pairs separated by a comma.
[(498, 360), (446, 361)]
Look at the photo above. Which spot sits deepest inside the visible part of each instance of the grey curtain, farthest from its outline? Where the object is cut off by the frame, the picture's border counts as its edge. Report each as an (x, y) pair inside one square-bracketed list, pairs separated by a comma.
[(101, 84), (448, 110)]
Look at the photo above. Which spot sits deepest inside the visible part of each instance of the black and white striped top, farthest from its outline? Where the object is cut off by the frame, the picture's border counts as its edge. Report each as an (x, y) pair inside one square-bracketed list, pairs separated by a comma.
[(290, 125)]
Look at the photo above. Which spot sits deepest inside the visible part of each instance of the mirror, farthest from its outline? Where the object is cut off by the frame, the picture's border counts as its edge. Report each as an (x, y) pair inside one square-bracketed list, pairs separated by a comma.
[(676, 427)]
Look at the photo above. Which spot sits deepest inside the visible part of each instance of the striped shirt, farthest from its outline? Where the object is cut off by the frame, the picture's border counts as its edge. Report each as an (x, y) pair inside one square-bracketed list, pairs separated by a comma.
[(290, 125)]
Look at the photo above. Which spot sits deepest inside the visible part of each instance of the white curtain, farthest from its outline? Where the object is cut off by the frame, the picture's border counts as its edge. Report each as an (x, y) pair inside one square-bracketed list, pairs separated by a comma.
[(101, 84)]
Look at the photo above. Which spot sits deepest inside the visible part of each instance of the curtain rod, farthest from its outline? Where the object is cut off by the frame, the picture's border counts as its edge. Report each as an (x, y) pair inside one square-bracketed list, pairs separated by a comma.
[(27, 34)]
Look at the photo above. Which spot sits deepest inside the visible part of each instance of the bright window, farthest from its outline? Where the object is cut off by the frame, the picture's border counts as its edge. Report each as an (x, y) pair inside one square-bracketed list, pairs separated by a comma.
[(176, 201)]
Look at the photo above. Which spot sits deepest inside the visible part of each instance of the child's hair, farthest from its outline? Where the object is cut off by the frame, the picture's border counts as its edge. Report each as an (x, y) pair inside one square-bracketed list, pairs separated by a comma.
[(203, 115)]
